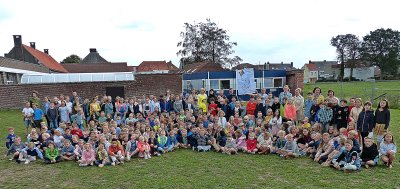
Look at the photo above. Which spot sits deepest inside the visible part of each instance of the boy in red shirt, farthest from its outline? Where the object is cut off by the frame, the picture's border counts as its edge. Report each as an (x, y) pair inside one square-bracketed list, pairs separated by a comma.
[(116, 152), (212, 107), (251, 106)]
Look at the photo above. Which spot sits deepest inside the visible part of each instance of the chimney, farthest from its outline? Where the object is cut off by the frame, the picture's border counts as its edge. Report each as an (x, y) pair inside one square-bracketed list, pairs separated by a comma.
[(33, 44), (291, 64), (324, 60), (17, 40), (282, 62), (93, 50), (265, 66), (309, 61), (46, 51)]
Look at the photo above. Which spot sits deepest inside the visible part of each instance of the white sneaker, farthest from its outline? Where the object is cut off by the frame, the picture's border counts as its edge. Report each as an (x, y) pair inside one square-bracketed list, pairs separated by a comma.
[(113, 163), (149, 156), (145, 157), (82, 164), (27, 161)]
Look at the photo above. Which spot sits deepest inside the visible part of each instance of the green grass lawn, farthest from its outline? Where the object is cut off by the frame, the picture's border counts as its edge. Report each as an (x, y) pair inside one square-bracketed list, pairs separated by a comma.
[(188, 169), (360, 89)]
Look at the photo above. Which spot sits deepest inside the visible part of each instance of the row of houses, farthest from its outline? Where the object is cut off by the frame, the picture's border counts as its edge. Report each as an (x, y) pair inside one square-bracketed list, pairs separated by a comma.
[(330, 70), (27, 59)]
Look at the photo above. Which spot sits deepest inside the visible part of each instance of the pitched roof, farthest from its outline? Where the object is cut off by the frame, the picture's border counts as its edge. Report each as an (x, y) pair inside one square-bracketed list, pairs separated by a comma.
[(203, 67), (93, 58), (147, 66), (45, 59), (17, 64), (311, 67), (96, 68), (248, 65), (280, 66)]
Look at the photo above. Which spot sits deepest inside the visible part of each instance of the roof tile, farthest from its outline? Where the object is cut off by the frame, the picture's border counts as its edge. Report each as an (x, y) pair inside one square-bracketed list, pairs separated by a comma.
[(45, 59)]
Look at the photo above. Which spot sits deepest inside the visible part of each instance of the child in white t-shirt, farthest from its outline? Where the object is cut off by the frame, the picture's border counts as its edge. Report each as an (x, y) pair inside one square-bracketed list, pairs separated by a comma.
[(28, 116)]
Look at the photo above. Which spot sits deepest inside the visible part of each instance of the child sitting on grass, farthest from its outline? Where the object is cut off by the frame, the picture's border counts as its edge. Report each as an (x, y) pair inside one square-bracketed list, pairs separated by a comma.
[(144, 147), (172, 141), (370, 155), (348, 160), (30, 153), (102, 156), (388, 150), (279, 143), (203, 141), (264, 143), (251, 144), (230, 146), (88, 156), (116, 152), (290, 149), (16, 148), (131, 148), (67, 152), (324, 149), (51, 154), (162, 146)]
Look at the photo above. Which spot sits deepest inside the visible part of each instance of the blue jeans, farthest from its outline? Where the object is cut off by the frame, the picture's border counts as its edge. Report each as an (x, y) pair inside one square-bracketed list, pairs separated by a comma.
[(53, 124)]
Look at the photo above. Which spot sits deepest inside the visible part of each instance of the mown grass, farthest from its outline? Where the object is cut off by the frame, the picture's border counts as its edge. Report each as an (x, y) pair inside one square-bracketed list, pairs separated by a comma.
[(361, 89), (188, 169)]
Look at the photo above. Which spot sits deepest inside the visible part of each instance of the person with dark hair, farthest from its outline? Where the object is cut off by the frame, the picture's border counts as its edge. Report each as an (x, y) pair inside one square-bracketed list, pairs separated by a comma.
[(366, 121), (382, 119), (318, 95)]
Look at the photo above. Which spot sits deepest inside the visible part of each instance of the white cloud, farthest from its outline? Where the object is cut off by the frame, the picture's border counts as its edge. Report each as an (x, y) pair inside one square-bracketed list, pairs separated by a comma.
[(133, 31)]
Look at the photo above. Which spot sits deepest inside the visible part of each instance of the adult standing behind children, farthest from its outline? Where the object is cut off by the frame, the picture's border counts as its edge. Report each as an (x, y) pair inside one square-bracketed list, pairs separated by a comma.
[(318, 95), (299, 104), (202, 98)]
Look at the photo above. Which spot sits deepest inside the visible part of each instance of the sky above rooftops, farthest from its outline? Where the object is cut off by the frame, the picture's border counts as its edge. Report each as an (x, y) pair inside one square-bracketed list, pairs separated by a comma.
[(135, 31)]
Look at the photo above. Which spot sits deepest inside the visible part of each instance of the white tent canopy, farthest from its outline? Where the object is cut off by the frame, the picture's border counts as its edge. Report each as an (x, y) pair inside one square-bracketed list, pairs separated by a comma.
[(76, 77)]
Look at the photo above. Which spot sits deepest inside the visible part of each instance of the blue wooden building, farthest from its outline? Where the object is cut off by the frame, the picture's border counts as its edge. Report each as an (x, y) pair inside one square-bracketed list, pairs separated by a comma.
[(272, 80)]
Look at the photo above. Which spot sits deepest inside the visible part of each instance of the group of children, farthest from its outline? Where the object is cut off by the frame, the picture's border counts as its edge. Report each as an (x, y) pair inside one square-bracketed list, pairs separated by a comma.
[(108, 140)]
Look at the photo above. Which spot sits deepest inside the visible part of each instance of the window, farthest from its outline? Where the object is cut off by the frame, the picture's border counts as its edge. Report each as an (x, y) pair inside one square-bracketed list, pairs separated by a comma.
[(225, 84), (214, 84), (278, 82), (196, 84), (258, 83), (268, 82)]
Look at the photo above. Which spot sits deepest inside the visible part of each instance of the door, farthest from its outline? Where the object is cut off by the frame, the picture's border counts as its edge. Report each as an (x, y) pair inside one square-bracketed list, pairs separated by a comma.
[(115, 91)]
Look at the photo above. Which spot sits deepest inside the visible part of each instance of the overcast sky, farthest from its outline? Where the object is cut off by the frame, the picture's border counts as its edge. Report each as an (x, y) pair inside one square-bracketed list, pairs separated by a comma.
[(134, 31)]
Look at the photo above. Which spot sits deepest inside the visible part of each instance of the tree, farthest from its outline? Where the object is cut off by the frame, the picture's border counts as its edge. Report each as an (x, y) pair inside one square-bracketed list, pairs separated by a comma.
[(72, 59), (206, 42), (348, 49), (382, 47)]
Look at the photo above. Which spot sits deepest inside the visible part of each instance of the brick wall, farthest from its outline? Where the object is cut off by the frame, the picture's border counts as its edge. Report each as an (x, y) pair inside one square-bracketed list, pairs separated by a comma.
[(13, 96), (295, 79)]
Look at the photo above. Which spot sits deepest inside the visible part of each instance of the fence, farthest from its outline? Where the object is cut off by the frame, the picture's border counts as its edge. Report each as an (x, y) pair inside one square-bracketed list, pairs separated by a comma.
[(370, 90)]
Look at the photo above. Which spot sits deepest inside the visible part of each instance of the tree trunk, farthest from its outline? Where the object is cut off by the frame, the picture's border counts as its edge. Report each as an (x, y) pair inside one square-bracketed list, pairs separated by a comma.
[(342, 66), (351, 73)]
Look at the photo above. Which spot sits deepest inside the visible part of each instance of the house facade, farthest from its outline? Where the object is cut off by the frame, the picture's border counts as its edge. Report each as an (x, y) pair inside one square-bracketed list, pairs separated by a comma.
[(310, 73)]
